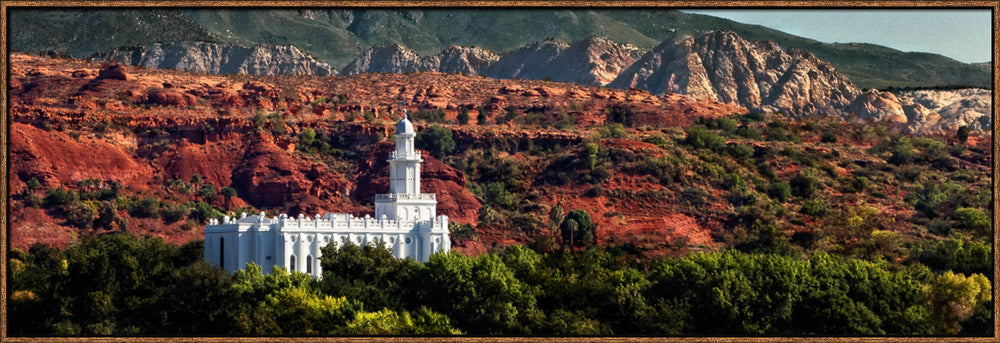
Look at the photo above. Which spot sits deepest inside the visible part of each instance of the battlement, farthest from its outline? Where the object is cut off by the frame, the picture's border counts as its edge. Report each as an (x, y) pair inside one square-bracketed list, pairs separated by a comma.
[(329, 221), (405, 196)]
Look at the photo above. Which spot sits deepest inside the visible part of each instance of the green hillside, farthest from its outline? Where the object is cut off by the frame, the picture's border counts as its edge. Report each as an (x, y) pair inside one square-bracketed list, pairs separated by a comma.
[(337, 36)]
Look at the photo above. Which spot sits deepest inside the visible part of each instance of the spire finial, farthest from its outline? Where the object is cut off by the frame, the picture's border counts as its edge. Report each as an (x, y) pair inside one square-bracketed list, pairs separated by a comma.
[(403, 105)]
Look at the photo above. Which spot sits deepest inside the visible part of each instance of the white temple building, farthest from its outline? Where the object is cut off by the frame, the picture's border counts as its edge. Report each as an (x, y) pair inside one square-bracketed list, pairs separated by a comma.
[(405, 221)]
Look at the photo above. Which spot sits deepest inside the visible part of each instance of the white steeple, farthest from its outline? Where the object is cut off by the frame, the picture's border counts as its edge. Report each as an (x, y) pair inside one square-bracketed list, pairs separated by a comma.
[(404, 172), (405, 201)]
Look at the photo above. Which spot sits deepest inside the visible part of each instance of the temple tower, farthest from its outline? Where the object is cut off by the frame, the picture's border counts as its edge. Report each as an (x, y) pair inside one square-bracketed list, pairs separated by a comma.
[(405, 201)]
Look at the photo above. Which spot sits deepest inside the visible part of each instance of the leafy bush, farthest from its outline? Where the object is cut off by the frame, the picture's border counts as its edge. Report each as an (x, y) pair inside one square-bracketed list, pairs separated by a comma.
[(614, 130), (202, 212), (59, 197), (429, 115), (147, 207), (171, 213), (740, 151), (805, 184), (699, 137), (463, 116), (81, 214), (780, 191), (816, 208)]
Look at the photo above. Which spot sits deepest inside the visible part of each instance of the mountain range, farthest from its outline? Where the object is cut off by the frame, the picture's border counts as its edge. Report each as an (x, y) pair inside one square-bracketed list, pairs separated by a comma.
[(338, 36)]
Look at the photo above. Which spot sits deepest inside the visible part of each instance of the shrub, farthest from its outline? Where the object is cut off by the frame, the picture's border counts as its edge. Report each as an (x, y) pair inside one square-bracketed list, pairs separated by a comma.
[(614, 130), (962, 134), (81, 214), (59, 197), (748, 132), (498, 195), (859, 184), (481, 115), (780, 191), (828, 137), (804, 184), (463, 116), (619, 113), (816, 208), (33, 184), (202, 212), (429, 115), (306, 137), (699, 137), (148, 207), (972, 218), (656, 140), (171, 213), (740, 151)]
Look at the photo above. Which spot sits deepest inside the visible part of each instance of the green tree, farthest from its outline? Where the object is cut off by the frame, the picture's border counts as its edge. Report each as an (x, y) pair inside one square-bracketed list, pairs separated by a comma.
[(463, 116), (228, 193), (805, 184), (780, 191), (577, 228), (954, 298), (81, 214), (307, 137), (207, 192), (371, 273), (962, 134), (436, 140), (147, 207), (33, 184), (973, 219), (481, 115), (479, 292), (699, 137)]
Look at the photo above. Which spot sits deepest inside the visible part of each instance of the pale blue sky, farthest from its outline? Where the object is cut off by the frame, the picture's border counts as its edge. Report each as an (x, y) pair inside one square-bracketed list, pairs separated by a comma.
[(962, 34)]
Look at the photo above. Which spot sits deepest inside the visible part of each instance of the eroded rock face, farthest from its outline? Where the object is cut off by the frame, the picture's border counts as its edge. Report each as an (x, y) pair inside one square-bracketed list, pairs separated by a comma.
[(215, 58), (927, 111), (762, 76), (270, 177), (592, 61), (466, 60), (398, 59), (969, 107)]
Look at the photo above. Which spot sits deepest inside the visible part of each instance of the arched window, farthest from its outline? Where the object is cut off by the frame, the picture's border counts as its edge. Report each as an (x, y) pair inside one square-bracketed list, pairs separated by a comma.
[(291, 264), (222, 252), (309, 264)]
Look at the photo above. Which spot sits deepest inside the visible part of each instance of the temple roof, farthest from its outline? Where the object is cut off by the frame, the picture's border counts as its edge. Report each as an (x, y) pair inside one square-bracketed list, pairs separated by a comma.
[(404, 125)]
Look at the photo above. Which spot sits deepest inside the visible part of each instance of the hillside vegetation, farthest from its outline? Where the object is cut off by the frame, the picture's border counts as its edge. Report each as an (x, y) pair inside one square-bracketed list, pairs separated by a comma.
[(576, 210)]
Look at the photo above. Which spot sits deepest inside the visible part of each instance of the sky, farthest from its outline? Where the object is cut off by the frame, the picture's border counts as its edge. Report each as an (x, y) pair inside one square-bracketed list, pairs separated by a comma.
[(962, 34)]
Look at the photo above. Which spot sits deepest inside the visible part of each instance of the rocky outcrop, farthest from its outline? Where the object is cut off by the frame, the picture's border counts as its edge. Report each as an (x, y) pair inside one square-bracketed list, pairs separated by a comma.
[(927, 111), (216, 58), (398, 59), (960, 107), (270, 177), (465, 60), (762, 76), (592, 61)]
